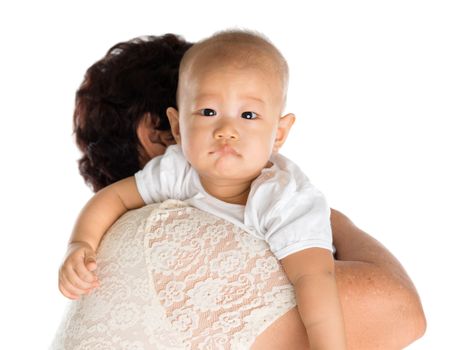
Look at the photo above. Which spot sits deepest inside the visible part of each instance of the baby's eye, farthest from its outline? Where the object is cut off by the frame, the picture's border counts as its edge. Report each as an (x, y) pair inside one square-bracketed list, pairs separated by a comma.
[(208, 112), (249, 115)]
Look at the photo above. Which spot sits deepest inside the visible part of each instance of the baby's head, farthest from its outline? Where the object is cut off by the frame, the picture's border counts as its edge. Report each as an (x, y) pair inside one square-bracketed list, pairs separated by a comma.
[(230, 98), (236, 49)]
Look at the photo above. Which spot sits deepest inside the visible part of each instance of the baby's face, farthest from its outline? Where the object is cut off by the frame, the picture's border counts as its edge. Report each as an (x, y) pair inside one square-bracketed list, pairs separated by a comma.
[(228, 119)]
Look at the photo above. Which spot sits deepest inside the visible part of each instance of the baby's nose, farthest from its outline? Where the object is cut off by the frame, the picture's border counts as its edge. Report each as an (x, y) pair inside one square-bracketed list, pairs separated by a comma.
[(226, 131)]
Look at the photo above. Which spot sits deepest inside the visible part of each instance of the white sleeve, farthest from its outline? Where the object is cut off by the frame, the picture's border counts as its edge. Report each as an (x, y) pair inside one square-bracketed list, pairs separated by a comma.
[(164, 177), (289, 212), (299, 221)]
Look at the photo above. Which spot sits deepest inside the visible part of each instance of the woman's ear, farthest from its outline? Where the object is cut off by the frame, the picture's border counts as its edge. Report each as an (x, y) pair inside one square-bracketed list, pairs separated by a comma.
[(173, 116), (282, 132), (150, 139)]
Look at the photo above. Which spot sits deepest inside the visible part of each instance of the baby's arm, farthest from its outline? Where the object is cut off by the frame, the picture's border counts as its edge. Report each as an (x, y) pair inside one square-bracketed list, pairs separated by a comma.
[(76, 275), (311, 271), (103, 209)]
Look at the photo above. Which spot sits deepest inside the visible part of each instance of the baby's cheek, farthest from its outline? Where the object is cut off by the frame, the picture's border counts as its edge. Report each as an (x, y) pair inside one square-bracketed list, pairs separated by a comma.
[(190, 150), (259, 158), (265, 147)]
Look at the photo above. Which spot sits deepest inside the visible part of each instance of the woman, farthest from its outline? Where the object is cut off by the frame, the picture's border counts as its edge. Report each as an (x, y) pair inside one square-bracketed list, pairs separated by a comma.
[(120, 112)]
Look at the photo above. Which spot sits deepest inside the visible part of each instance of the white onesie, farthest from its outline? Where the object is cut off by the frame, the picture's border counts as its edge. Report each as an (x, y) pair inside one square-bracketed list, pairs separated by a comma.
[(283, 208)]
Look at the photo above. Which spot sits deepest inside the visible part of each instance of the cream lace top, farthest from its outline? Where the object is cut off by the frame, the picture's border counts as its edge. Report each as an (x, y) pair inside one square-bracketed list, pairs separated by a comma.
[(175, 277)]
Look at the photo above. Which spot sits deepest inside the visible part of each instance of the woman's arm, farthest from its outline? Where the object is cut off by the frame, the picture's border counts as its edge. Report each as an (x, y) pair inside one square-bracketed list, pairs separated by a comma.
[(381, 307)]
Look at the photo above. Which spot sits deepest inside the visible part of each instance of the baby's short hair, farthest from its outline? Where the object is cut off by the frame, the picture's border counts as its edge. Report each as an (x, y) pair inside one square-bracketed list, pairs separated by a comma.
[(239, 47)]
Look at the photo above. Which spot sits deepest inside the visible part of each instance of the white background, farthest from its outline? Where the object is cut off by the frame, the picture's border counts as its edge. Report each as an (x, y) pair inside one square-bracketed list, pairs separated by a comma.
[(376, 89)]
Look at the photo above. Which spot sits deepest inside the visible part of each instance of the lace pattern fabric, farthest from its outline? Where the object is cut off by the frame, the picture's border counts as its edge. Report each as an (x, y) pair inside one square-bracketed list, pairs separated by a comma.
[(175, 277)]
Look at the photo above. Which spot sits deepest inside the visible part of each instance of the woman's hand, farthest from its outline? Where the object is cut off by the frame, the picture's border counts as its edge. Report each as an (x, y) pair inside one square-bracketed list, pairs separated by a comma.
[(76, 274)]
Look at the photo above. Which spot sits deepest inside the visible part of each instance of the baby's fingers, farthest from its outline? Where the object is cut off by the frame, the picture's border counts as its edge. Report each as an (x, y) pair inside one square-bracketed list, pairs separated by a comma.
[(90, 260), (85, 275), (65, 291), (72, 275), (69, 289)]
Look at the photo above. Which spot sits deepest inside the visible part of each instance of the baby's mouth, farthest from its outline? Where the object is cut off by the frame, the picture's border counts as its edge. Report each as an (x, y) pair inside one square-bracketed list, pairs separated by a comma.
[(224, 150)]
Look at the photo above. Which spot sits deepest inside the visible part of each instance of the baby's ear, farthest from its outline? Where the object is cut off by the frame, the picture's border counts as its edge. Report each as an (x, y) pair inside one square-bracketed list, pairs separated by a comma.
[(282, 133), (173, 116)]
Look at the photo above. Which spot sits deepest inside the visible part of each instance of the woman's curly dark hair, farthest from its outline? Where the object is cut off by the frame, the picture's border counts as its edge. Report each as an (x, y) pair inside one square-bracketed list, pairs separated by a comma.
[(134, 78)]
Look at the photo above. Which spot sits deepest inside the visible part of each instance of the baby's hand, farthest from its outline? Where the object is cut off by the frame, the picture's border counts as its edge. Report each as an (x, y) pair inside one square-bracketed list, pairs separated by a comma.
[(76, 276)]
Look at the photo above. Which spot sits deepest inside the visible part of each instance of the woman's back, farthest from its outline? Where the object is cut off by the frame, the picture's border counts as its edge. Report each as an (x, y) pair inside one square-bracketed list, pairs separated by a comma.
[(174, 277)]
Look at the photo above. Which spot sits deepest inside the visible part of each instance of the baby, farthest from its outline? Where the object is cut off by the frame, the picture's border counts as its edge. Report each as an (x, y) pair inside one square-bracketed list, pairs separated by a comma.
[(229, 128)]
